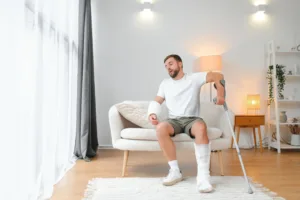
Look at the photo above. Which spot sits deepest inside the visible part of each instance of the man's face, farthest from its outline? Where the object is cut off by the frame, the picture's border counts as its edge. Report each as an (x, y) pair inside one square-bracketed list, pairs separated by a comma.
[(173, 67)]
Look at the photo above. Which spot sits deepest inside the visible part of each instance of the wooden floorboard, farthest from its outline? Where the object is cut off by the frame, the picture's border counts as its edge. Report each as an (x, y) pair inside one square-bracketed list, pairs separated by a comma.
[(278, 172)]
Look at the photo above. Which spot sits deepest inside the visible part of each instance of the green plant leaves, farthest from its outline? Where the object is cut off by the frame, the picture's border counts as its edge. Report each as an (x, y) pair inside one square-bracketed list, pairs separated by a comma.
[(280, 75)]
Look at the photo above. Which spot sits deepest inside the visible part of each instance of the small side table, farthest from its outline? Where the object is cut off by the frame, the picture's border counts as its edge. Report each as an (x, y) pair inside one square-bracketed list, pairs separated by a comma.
[(249, 121)]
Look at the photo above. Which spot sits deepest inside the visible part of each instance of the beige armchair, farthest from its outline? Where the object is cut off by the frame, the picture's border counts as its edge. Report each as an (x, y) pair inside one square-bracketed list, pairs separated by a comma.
[(127, 136)]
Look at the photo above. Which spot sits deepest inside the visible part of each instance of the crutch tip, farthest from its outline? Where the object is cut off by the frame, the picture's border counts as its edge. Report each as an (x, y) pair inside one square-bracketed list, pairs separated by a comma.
[(250, 191)]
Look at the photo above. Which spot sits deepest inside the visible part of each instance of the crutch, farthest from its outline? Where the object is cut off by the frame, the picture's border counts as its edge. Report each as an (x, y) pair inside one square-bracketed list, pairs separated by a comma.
[(250, 191)]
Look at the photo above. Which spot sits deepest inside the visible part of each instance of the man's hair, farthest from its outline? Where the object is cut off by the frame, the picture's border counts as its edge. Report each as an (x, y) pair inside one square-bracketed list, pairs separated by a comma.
[(176, 57)]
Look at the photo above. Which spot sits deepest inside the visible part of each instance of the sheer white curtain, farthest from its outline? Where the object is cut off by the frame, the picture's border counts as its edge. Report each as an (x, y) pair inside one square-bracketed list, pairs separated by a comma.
[(45, 84)]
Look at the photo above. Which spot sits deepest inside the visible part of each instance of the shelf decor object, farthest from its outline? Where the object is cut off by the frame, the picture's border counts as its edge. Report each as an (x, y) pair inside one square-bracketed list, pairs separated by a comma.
[(295, 131), (283, 117), (277, 103)]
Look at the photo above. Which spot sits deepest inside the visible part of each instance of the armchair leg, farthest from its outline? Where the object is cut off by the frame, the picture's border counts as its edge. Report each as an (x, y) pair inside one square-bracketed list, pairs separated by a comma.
[(221, 162), (125, 159), (210, 161)]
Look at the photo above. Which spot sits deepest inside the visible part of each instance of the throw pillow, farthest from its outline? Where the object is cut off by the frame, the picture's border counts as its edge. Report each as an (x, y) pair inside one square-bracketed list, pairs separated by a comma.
[(136, 112)]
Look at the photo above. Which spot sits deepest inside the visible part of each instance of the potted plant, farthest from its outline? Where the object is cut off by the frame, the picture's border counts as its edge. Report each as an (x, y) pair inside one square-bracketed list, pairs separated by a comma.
[(280, 75), (295, 130)]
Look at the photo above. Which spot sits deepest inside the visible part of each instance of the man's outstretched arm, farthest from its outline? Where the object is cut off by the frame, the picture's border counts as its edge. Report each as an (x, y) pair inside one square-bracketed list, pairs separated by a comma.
[(216, 77), (159, 99)]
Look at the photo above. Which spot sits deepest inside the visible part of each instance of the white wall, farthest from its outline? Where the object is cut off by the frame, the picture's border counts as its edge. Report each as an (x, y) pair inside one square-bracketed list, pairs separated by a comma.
[(129, 51)]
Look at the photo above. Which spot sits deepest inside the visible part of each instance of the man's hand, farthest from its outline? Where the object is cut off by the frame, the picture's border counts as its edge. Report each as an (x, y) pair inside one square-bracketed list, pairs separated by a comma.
[(216, 77), (153, 119), (220, 100)]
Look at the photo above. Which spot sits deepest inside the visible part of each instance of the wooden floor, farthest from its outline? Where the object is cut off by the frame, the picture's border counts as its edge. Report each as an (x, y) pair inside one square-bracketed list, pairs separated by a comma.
[(278, 172)]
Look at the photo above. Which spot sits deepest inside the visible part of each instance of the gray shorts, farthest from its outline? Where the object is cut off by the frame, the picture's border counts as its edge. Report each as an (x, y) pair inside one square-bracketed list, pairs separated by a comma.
[(183, 124)]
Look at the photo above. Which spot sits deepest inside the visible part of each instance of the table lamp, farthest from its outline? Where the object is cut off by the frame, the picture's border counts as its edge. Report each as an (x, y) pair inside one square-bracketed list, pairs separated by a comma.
[(208, 64), (253, 102)]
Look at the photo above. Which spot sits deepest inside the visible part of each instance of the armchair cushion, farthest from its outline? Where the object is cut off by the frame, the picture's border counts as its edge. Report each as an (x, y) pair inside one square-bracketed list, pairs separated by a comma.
[(150, 134)]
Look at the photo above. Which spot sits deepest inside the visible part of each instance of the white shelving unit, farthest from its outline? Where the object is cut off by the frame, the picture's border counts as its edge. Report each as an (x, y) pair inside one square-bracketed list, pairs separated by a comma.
[(272, 59)]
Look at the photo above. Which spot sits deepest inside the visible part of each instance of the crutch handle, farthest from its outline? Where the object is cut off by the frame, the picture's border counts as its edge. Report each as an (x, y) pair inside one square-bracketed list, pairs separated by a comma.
[(215, 99)]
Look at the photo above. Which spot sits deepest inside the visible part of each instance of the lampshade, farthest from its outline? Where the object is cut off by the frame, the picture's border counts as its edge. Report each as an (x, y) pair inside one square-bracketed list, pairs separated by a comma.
[(208, 63), (253, 101)]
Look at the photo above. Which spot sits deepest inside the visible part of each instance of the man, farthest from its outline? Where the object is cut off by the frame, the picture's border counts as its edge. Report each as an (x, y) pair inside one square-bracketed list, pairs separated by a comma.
[(182, 95)]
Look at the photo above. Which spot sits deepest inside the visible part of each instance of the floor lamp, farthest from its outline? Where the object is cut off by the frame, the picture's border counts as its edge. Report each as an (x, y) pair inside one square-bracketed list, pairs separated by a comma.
[(208, 64)]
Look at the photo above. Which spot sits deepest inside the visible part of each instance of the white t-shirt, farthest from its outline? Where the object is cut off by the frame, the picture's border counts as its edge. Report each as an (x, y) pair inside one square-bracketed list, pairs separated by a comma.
[(183, 96)]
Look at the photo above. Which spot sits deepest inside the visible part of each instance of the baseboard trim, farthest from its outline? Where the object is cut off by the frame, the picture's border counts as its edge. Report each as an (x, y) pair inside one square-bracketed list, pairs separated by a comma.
[(105, 147)]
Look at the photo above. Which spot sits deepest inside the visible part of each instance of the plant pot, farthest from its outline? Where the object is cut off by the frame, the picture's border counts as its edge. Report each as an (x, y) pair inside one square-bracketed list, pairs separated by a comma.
[(295, 140)]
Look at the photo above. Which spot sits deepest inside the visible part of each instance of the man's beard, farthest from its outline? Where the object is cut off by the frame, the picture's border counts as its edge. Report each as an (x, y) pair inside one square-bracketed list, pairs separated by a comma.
[(175, 73)]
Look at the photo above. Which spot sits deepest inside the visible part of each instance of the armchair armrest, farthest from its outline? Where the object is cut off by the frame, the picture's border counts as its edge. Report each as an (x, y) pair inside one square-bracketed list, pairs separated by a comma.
[(224, 125), (115, 123)]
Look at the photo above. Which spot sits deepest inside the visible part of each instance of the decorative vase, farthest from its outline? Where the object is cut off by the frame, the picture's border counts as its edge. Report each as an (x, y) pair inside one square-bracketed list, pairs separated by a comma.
[(283, 117), (295, 140)]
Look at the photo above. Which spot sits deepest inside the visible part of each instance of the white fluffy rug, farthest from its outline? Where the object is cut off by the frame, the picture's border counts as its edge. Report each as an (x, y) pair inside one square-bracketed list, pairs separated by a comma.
[(226, 187)]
